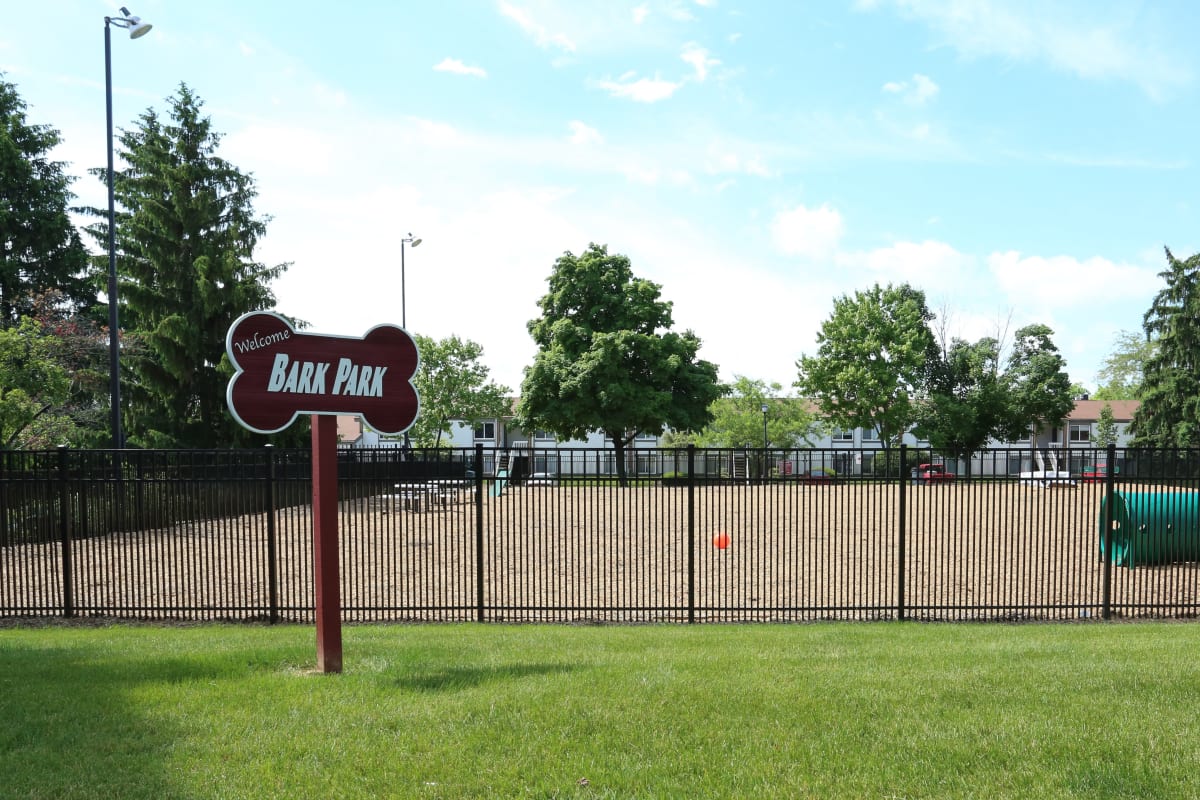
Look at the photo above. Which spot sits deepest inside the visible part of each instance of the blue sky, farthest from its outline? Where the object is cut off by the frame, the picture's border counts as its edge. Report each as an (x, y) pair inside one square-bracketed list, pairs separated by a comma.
[(1018, 161)]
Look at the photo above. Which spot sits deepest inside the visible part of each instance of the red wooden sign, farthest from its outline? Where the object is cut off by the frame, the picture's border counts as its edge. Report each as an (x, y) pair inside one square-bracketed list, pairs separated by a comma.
[(283, 373)]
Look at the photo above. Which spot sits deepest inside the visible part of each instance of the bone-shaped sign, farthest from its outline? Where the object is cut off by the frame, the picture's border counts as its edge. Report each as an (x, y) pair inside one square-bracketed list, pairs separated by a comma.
[(282, 373)]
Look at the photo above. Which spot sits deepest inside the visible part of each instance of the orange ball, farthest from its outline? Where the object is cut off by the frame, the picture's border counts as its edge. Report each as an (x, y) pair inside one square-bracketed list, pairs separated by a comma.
[(721, 541)]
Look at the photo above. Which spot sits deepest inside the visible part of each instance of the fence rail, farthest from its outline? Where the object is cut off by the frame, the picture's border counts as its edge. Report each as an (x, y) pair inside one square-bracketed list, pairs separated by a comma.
[(550, 535)]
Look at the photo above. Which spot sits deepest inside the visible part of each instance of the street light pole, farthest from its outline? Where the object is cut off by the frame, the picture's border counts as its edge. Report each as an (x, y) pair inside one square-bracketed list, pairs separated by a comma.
[(136, 29), (764, 413), (403, 315)]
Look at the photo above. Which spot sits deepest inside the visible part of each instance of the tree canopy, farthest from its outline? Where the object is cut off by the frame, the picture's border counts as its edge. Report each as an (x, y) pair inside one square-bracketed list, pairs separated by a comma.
[(1169, 415), (872, 362), (453, 383), (738, 417), (40, 249), (32, 382), (186, 235), (967, 401), (1037, 381), (607, 359), (1123, 371)]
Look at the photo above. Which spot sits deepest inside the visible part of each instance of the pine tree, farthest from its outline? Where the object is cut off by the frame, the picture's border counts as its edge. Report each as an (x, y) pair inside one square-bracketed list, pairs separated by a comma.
[(40, 249), (1169, 415), (186, 234)]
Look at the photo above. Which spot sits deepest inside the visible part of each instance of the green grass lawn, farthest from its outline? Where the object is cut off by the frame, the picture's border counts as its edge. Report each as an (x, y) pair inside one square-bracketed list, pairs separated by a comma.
[(858, 710)]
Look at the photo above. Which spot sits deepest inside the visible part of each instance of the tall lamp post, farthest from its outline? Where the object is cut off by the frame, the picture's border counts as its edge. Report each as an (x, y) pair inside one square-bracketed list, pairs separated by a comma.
[(765, 409), (403, 312), (403, 317), (137, 29)]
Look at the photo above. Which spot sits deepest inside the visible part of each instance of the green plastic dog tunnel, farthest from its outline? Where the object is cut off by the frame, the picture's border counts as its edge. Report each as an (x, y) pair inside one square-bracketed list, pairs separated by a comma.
[(1152, 527)]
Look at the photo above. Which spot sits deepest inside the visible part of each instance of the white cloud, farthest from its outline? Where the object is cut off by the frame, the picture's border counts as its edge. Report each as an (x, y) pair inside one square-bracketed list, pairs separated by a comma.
[(920, 91), (808, 233), (698, 57), (933, 266), (457, 67), (1063, 282), (584, 134), (644, 90), (1080, 41), (535, 30), (306, 151), (720, 160), (640, 13)]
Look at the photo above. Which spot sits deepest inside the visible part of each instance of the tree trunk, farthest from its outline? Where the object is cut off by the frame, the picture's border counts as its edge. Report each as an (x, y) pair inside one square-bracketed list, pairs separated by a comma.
[(618, 441)]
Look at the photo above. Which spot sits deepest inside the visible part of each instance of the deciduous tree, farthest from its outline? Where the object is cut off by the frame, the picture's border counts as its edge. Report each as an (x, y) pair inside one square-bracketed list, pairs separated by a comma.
[(607, 359), (32, 382), (738, 417), (872, 362), (453, 384), (1123, 370), (967, 401), (1037, 383)]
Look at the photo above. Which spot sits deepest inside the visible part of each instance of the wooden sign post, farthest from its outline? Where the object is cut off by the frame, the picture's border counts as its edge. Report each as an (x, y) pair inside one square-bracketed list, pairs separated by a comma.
[(281, 374)]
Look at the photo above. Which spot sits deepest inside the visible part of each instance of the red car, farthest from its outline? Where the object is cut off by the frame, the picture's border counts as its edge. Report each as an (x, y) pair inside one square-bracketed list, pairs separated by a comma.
[(1096, 474), (819, 475), (931, 473)]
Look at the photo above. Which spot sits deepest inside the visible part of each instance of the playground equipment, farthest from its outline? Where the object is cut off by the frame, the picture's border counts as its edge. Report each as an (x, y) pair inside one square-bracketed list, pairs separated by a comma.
[(1152, 528), (1047, 477)]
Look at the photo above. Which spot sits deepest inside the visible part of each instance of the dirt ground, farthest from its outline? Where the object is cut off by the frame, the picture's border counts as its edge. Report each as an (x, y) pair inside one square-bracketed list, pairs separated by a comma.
[(793, 552)]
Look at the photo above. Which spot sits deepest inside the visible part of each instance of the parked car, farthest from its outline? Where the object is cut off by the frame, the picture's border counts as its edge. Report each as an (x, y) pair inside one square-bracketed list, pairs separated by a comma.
[(819, 475), (542, 479), (1097, 473), (931, 473)]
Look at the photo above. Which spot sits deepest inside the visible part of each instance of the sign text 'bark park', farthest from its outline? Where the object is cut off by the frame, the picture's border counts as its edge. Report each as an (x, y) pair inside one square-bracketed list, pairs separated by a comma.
[(283, 373)]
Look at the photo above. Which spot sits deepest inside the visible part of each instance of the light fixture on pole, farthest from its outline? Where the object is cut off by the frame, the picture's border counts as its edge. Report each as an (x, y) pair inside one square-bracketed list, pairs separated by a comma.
[(765, 408), (414, 242), (137, 29)]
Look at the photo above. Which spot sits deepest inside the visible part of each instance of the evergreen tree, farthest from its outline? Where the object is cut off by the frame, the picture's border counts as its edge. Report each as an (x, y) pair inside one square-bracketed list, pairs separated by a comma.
[(186, 235), (40, 250), (1106, 427), (1169, 415)]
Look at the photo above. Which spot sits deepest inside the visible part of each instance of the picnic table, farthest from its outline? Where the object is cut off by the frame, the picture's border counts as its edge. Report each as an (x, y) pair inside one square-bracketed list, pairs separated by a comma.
[(412, 496)]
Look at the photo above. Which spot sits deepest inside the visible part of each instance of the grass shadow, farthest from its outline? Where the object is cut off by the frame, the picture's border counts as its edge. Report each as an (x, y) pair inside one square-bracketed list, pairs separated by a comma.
[(71, 730), (457, 678)]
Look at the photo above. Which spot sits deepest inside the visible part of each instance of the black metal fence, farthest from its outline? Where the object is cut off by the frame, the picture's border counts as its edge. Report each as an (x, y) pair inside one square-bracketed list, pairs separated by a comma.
[(549, 535)]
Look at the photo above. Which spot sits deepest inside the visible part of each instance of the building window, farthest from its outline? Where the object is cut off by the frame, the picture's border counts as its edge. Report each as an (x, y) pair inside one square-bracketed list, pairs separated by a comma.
[(485, 430), (840, 435), (870, 435), (1081, 433), (543, 436), (647, 437)]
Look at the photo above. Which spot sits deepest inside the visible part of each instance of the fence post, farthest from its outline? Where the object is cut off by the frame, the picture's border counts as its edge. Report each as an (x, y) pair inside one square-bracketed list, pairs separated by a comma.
[(64, 530), (479, 532), (272, 548), (691, 531), (901, 531), (1109, 482)]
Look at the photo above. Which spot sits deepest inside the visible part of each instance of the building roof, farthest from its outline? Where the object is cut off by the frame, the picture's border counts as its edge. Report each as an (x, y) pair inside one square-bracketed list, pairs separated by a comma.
[(1090, 409)]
